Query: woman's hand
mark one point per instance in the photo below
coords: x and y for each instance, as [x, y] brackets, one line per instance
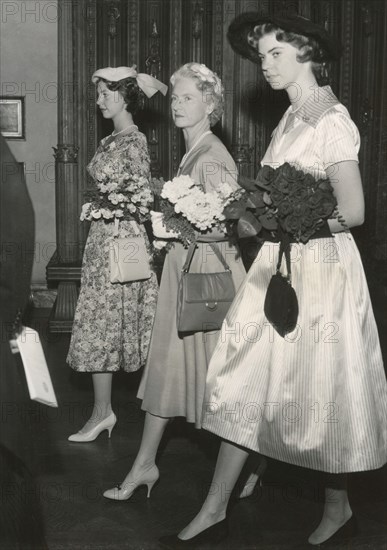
[346, 182]
[158, 227]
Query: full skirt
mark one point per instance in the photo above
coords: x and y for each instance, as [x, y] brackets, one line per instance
[318, 397]
[174, 378]
[113, 322]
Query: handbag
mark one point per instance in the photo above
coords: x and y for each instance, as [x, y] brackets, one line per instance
[129, 259]
[281, 304]
[203, 299]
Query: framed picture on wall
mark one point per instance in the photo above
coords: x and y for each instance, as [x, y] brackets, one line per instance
[12, 118]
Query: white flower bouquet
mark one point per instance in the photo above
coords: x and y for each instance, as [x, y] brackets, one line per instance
[187, 208]
[118, 195]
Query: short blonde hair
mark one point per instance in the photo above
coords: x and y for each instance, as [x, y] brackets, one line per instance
[207, 82]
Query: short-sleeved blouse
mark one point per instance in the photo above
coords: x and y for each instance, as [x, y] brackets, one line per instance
[320, 133]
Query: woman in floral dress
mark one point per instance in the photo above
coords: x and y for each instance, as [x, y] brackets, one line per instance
[113, 322]
[316, 398]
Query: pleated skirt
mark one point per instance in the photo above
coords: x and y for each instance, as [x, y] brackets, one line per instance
[318, 397]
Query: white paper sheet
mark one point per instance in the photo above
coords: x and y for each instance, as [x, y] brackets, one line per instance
[35, 366]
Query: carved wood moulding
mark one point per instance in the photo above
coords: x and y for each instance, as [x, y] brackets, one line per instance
[218, 30]
[113, 14]
[91, 66]
[175, 7]
[197, 39]
[66, 153]
[153, 61]
[346, 65]
[197, 20]
[133, 20]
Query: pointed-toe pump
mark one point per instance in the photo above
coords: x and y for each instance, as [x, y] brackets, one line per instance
[125, 490]
[257, 476]
[212, 535]
[346, 532]
[107, 423]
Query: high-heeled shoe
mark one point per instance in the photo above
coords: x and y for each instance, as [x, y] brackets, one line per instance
[125, 490]
[345, 532]
[248, 489]
[212, 535]
[107, 423]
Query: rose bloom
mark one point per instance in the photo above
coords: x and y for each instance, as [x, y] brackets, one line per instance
[325, 208]
[324, 185]
[285, 208]
[277, 197]
[300, 193]
[291, 224]
[290, 173]
[281, 184]
[265, 176]
[322, 203]
[311, 220]
[301, 210]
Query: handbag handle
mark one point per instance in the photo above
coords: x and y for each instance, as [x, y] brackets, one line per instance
[191, 251]
[133, 223]
[285, 249]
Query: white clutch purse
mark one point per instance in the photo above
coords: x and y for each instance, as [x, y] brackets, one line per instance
[129, 259]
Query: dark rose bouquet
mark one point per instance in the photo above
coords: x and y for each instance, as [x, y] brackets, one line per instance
[282, 198]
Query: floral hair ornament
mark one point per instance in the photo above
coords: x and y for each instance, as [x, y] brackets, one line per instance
[148, 84]
[206, 75]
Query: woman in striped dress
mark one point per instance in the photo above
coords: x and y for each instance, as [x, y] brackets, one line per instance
[316, 398]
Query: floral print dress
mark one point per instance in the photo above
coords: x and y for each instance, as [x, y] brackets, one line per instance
[113, 322]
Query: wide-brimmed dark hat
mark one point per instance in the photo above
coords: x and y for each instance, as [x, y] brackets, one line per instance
[245, 22]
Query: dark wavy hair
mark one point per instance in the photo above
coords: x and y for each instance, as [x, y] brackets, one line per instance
[309, 48]
[130, 91]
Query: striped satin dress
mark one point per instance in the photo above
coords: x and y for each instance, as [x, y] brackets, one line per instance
[318, 397]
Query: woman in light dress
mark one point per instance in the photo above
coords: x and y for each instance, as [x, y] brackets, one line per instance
[173, 382]
[316, 398]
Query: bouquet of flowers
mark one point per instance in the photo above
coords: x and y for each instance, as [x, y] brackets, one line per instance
[187, 208]
[118, 196]
[285, 198]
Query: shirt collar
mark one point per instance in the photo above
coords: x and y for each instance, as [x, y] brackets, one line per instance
[316, 105]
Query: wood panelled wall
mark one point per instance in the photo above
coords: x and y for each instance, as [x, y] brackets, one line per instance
[160, 35]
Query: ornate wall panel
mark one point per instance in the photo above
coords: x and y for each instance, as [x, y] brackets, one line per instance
[160, 35]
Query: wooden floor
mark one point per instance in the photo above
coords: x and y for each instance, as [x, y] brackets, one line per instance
[71, 478]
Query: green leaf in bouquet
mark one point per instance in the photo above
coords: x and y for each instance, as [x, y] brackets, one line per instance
[255, 200]
[247, 183]
[268, 221]
[260, 210]
[157, 185]
[248, 225]
[235, 210]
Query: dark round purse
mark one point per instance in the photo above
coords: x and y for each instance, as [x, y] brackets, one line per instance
[281, 304]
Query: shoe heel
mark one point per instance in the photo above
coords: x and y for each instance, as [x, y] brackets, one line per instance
[150, 486]
[110, 428]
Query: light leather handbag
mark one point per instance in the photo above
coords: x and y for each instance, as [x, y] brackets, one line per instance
[203, 298]
[129, 258]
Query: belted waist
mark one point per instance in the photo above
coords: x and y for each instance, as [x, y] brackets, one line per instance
[322, 233]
